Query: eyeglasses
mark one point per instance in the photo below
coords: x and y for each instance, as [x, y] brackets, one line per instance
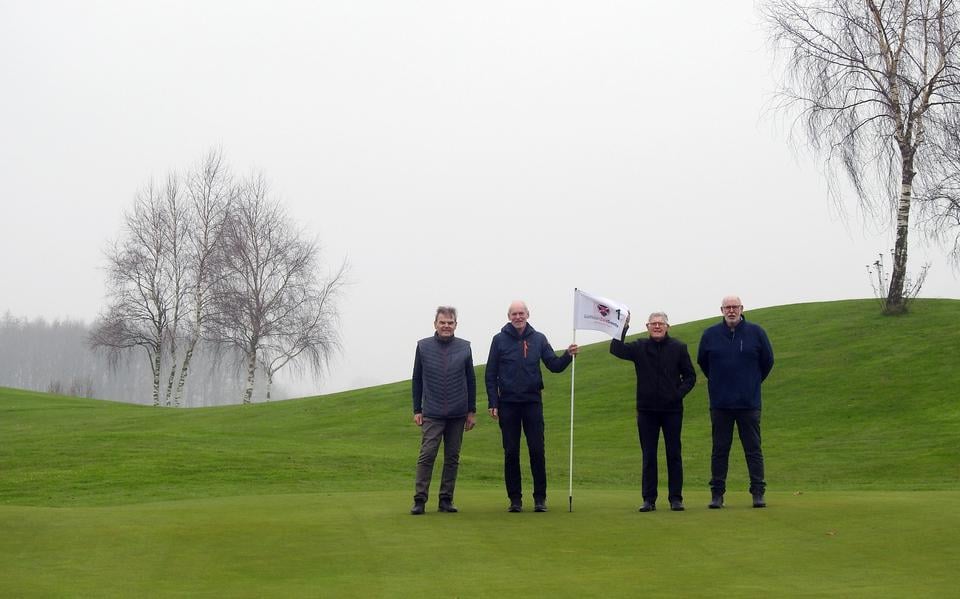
[657, 324]
[727, 308]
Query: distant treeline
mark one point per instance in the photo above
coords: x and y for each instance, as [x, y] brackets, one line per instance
[55, 357]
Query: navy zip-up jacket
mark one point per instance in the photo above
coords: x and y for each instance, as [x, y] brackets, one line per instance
[513, 366]
[735, 362]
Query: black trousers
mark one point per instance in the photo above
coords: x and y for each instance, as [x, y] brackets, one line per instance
[649, 425]
[748, 427]
[528, 417]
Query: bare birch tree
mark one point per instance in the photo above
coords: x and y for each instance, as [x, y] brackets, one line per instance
[209, 194]
[203, 262]
[176, 267]
[308, 338]
[161, 272]
[271, 305]
[875, 83]
[141, 298]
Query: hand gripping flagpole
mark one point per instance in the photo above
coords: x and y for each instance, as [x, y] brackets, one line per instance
[573, 378]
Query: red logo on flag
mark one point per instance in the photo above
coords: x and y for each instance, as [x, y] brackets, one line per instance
[603, 310]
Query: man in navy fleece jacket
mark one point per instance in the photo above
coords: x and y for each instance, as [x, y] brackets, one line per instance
[736, 357]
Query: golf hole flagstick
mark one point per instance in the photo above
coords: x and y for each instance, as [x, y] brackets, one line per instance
[594, 313]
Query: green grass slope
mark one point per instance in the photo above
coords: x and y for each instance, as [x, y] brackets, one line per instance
[855, 401]
[309, 497]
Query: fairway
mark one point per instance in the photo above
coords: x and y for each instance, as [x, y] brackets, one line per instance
[861, 544]
[310, 497]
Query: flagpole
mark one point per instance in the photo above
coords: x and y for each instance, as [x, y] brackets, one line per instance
[598, 321]
[573, 378]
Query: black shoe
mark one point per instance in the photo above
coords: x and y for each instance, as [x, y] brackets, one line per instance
[648, 506]
[716, 503]
[758, 500]
[540, 506]
[417, 508]
[515, 506]
[676, 505]
[446, 505]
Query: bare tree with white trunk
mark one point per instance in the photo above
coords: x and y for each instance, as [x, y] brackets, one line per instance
[876, 86]
[142, 281]
[205, 262]
[271, 303]
[209, 195]
[308, 339]
[162, 272]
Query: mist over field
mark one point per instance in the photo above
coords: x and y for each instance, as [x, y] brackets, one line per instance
[55, 357]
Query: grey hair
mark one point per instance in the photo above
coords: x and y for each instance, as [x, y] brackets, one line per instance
[666, 319]
[522, 303]
[446, 311]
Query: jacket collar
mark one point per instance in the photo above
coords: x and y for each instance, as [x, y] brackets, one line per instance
[443, 340]
[653, 343]
[509, 329]
[723, 322]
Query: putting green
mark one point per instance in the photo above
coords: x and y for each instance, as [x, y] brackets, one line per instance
[863, 543]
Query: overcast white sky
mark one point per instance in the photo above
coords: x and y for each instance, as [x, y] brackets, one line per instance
[463, 153]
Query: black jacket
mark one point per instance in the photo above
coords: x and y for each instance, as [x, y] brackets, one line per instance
[665, 373]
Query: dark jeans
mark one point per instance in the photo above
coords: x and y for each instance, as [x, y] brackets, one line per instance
[450, 430]
[649, 425]
[748, 427]
[528, 416]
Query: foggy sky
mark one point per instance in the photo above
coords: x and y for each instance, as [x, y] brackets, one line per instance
[454, 153]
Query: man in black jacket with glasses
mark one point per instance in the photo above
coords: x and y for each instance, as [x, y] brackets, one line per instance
[665, 375]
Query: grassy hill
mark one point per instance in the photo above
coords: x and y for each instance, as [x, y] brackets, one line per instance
[855, 401]
[309, 497]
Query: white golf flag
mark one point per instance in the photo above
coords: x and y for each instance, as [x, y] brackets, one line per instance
[596, 313]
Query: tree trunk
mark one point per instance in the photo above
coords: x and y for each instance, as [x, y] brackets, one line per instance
[173, 375]
[191, 346]
[896, 303]
[184, 370]
[155, 367]
[251, 375]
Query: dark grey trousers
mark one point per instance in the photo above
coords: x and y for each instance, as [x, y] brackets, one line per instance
[450, 431]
